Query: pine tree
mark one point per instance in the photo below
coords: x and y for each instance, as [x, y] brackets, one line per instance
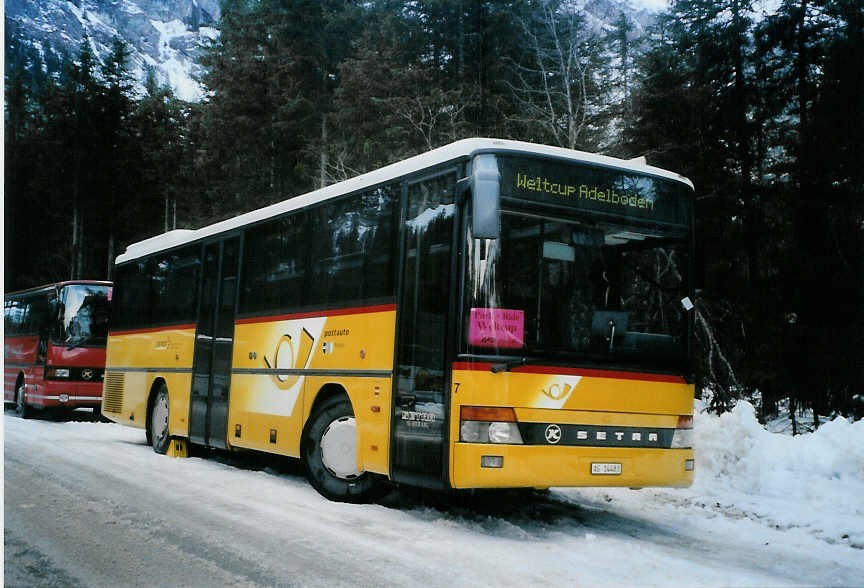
[557, 87]
[116, 143]
[272, 76]
[169, 197]
[809, 43]
[78, 122]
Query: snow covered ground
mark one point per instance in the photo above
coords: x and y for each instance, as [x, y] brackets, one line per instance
[766, 510]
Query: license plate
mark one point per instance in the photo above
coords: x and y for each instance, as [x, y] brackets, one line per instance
[606, 469]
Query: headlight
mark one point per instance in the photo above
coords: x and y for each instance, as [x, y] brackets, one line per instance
[55, 372]
[504, 433]
[683, 436]
[480, 424]
[682, 439]
[474, 432]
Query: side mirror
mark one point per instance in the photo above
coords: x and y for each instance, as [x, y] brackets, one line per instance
[486, 197]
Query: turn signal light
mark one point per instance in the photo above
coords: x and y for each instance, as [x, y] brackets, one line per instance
[685, 421]
[487, 413]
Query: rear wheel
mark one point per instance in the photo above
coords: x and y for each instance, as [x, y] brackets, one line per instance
[329, 450]
[157, 425]
[21, 407]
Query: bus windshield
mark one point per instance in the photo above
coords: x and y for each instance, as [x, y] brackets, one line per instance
[84, 315]
[599, 290]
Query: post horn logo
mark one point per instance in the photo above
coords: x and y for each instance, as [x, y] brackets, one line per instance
[288, 361]
[558, 391]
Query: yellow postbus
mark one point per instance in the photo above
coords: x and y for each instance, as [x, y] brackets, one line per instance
[487, 314]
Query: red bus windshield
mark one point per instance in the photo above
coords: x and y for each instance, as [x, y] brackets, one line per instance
[84, 313]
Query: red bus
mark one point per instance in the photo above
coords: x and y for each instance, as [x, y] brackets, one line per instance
[54, 346]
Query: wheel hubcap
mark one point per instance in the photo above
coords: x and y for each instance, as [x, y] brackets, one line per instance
[339, 448]
[159, 419]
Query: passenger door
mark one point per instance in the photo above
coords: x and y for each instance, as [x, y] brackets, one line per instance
[420, 395]
[214, 344]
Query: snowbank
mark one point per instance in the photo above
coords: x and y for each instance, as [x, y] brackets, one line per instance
[813, 481]
[736, 451]
[809, 487]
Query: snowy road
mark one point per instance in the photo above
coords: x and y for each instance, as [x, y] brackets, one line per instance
[89, 504]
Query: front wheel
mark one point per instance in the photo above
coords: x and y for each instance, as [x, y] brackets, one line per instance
[21, 407]
[329, 450]
[157, 426]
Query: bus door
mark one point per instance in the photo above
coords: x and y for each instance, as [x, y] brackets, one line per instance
[419, 416]
[214, 344]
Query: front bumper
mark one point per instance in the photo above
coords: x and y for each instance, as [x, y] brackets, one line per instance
[544, 466]
[59, 393]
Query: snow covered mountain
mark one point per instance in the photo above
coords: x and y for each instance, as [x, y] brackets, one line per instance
[167, 35]
[602, 14]
[163, 34]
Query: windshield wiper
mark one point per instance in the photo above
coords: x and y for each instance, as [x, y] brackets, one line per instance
[82, 342]
[508, 365]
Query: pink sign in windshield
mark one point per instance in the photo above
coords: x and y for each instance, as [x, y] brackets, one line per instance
[497, 327]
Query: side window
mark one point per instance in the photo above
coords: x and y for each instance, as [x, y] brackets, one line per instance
[274, 274]
[13, 317]
[24, 321]
[175, 285]
[40, 313]
[130, 308]
[381, 252]
[21, 311]
[337, 262]
[352, 250]
[8, 320]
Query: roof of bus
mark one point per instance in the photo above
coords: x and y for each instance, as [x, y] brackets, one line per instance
[460, 149]
[59, 285]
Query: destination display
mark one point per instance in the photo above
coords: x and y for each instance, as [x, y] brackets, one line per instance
[595, 189]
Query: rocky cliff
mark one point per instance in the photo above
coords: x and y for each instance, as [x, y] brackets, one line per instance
[166, 35]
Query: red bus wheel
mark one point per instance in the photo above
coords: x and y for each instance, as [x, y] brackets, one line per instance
[21, 407]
